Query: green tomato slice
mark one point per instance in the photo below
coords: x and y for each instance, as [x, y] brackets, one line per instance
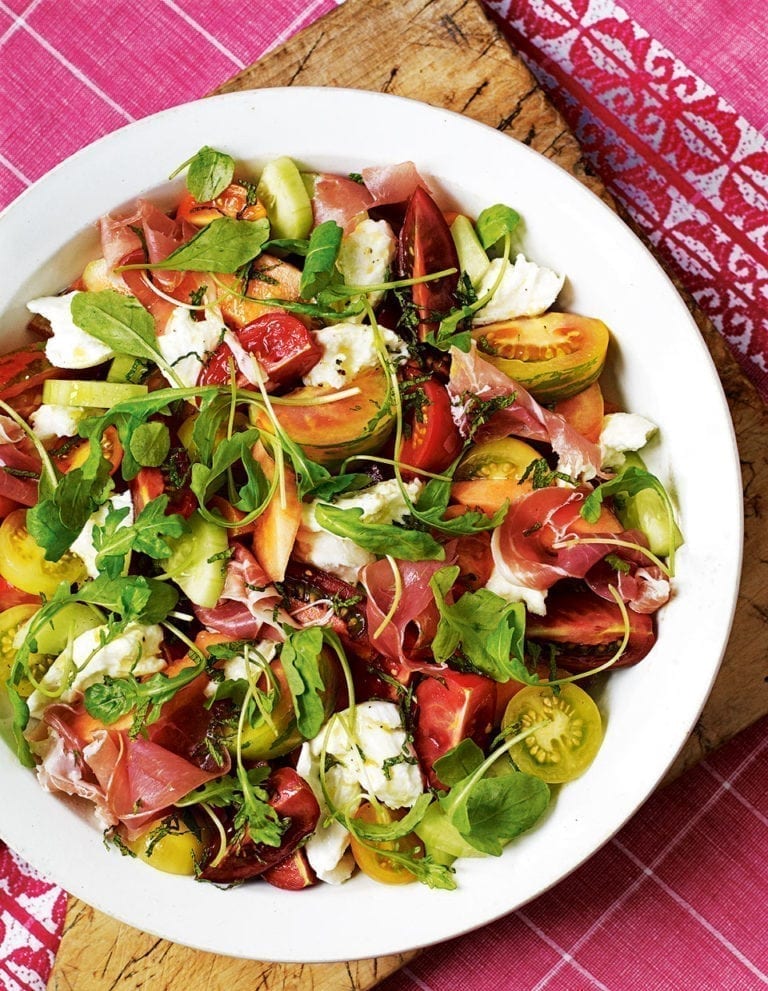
[568, 741]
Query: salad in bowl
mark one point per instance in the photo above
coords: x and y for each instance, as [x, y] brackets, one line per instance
[318, 526]
[344, 493]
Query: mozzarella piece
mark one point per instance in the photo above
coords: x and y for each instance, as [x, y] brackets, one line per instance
[381, 503]
[83, 543]
[52, 420]
[88, 659]
[349, 349]
[371, 756]
[186, 344]
[365, 257]
[534, 599]
[69, 346]
[623, 432]
[526, 290]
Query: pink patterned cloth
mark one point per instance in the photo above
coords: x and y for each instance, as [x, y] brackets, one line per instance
[668, 101]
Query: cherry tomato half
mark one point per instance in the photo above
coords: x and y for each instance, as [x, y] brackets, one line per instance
[170, 846]
[426, 246]
[569, 739]
[286, 350]
[23, 564]
[432, 440]
[371, 857]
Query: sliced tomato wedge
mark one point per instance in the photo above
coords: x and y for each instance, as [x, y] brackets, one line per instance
[432, 440]
[285, 348]
[293, 800]
[24, 369]
[586, 630]
[451, 707]
[425, 247]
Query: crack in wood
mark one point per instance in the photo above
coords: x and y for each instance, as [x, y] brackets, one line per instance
[388, 84]
[453, 30]
[506, 122]
[304, 61]
[477, 91]
[132, 963]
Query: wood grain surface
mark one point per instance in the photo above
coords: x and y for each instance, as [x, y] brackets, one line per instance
[446, 53]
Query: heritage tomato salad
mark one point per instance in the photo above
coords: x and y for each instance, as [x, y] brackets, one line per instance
[317, 529]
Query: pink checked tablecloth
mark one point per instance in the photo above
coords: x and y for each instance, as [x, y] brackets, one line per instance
[668, 99]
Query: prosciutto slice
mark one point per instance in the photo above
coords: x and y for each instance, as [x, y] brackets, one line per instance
[471, 376]
[414, 622]
[346, 201]
[130, 780]
[161, 234]
[530, 548]
[249, 605]
[642, 585]
[19, 464]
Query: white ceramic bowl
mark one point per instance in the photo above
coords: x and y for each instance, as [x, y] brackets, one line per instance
[663, 371]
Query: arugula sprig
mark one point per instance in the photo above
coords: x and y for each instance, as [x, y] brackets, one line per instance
[209, 172]
[113, 698]
[483, 628]
[242, 791]
[379, 538]
[148, 534]
[488, 811]
[225, 245]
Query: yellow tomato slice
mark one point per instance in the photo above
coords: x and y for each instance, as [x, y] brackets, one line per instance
[569, 739]
[372, 857]
[22, 560]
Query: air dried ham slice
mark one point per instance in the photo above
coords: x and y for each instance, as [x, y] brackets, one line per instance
[249, 606]
[471, 376]
[161, 234]
[345, 201]
[531, 548]
[130, 780]
[19, 464]
[413, 624]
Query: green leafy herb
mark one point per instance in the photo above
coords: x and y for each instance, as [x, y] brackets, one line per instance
[320, 263]
[225, 245]
[58, 518]
[244, 792]
[628, 482]
[209, 172]
[119, 321]
[431, 505]
[233, 451]
[114, 698]
[147, 535]
[150, 444]
[487, 630]
[379, 538]
[488, 811]
[542, 476]
[496, 222]
[300, 657]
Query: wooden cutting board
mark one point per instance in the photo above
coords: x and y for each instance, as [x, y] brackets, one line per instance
[447, 53]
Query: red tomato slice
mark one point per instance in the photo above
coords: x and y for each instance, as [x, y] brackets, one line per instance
[451, 707]
[586, 630]
[285, 348]
[293, 800]
[24, 369]
[426, 246]
[432, 439]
